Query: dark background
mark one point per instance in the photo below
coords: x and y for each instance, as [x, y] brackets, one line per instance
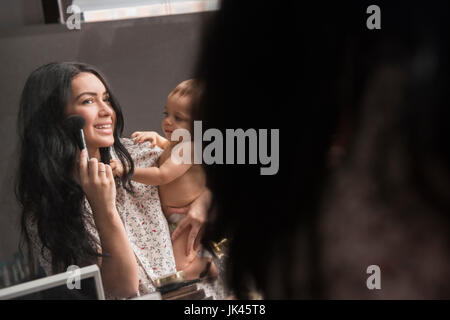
[143, 60]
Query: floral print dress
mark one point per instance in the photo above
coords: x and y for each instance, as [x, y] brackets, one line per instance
[145, 225]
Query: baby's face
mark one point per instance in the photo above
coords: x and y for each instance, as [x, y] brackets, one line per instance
[177, 115]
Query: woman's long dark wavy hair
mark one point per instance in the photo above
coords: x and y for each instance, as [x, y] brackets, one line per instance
[45, 186]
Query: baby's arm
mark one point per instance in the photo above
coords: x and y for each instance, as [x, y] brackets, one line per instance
[168, 170]
[153, 137]
[166, 173]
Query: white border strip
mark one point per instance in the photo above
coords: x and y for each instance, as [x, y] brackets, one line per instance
[53, 281]
[153, 10]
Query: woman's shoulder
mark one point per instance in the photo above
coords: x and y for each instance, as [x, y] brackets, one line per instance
[142, 154]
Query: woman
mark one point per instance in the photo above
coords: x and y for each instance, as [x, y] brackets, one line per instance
[73, 212]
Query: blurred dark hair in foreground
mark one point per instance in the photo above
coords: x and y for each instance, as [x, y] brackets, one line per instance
[377, 99]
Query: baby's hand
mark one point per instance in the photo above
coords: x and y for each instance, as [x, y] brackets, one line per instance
[142, 136]
[117, 168]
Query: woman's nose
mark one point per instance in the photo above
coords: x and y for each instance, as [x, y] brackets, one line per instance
[105, 109]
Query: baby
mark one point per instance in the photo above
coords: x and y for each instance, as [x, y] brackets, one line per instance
[179, 184]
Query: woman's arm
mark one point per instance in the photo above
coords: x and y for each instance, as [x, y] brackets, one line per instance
[118, 269]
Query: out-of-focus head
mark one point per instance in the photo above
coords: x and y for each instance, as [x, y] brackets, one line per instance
[311, 70]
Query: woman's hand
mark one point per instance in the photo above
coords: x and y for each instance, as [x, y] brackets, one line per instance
[196, 215]
[97, 182]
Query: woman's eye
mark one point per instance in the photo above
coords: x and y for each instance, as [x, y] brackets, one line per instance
[88, 101]
[165, 114]
[107, 100]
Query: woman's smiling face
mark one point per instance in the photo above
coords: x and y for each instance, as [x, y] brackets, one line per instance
[90, 99]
